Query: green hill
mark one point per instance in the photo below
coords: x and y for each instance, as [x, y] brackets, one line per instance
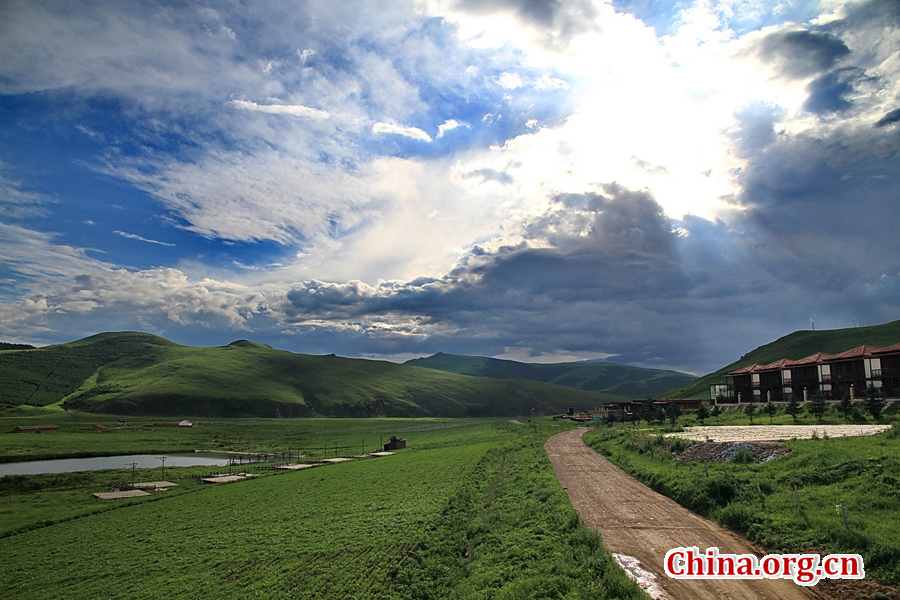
[605, 377]
[142, 374]
[799, 344]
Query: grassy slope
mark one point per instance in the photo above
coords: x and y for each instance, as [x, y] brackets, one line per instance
[610, 378]
[135, 373]
[799, 344]
[396, 527]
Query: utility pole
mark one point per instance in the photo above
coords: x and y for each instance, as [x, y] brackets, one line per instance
[133, 466]
[163, 459]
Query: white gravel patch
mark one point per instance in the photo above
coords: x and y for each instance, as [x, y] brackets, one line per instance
[762, 433]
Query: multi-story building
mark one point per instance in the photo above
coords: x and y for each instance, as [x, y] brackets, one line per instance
[832, 375]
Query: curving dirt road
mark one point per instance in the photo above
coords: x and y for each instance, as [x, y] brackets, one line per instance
[636, 521]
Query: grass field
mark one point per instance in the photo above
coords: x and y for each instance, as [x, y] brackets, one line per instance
[304, 436]
[862, 472]
[470, 510]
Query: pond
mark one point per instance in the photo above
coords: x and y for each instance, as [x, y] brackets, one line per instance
[144, 461]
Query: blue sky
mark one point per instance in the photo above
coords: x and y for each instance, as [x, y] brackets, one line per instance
[666, 184]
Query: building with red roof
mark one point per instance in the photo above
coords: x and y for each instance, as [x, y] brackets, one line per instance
[833, 375]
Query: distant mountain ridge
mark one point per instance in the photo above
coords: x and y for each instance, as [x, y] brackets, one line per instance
[595, 376]
[795, 346]
[133, 373]
[8, 346]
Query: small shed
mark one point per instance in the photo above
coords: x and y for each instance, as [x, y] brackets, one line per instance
[123, 421]
[35, 428]
[100, 428]
[395, 443]
[186, 423]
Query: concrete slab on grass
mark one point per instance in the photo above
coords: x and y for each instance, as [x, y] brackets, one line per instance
[151, 485]
[118, 495]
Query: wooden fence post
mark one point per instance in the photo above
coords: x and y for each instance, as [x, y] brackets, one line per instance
[844, 514]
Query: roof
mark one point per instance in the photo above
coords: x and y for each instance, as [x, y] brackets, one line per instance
[858, 352]
[889, 349]
[812, 359]
[781, 363]
[746, 370]
[35, 427]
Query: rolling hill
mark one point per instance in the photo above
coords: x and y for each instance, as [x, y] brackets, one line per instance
[605, 377]
[799, 344]
[141, 374]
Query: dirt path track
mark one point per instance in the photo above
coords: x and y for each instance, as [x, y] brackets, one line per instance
[636, 521]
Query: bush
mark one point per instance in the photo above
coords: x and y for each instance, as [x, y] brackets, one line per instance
[743, 456]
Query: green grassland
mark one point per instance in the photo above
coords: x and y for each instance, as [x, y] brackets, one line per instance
[797, 345]
[469, 510]
[605, 377]
[863, 472]
[299, 436]
[142, 374]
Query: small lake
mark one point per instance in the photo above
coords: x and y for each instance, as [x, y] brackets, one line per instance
[144, 461]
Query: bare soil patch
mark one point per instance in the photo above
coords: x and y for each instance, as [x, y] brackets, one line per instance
[722, 452]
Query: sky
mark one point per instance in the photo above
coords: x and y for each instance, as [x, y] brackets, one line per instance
[668, 184]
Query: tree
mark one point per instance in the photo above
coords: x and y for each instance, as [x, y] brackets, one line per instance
[647, 409]
[750, 411]
[672, 412]
[715, 412]
[770, 409]
[817, 406]
[874, 402]
[702, 413]
[659, 415]
[846, 407]
[793, 408]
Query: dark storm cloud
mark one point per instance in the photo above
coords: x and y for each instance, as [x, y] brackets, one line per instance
[828, 93]
[542, 12]
[800, 54]
[607, 272]
[556, 21]
[891, 117]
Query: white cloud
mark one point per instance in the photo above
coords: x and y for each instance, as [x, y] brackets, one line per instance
[134, 236]
[410, 132]
[37, 257]
[294, 110]
[449, 125]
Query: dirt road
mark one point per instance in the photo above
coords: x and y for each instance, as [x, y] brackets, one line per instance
[636, 521]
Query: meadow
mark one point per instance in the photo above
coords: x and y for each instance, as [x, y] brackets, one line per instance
[470, 509]
[863, 472]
